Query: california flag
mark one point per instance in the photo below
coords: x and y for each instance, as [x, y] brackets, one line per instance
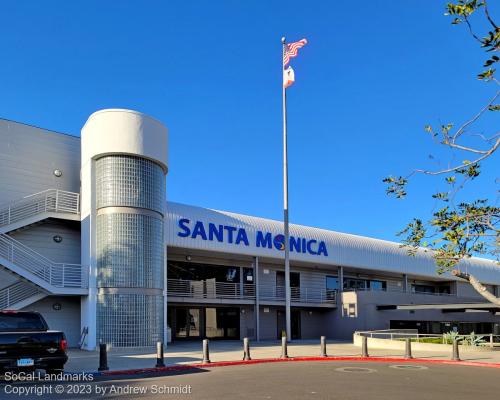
[288, 77]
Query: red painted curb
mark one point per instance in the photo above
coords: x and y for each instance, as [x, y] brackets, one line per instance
[291, 359]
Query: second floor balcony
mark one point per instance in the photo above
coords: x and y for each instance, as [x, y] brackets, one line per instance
[206, 290]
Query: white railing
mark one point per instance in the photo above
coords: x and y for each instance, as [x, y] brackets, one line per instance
[210, 289]
[413, 334]
[298, 295]
[51, 200]
[15, 293]
[55, 274]
[397, 290]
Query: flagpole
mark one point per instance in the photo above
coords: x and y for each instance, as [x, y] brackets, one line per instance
[285, 211]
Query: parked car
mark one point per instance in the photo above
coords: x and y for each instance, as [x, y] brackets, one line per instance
[27, 343]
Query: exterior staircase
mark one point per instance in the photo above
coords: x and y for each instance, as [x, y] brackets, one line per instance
[19, 295]
[47, 277]
[39, 206]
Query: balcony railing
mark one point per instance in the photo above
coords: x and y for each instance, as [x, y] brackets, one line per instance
[221, 290]
[210, 289]
[298, 295]
[55, 274]
[51, 200]
[17, 292]
[398, 290]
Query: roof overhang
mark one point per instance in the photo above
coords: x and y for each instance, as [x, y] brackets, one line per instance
[456, 307]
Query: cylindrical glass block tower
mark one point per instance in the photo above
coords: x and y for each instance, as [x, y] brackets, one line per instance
[126, 246]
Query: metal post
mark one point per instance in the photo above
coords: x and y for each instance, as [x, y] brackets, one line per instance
[246, 350]
[408, 354]
[159, 355]
[103, 358]
[284, 349]
[323, 347]
[455, 356]
[340, 279]
[491, 340]
[285, 211]
[364, 346]
[206, 354]
[257, 299]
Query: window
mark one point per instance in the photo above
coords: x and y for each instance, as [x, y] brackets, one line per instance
[423, 289]
[248, 275]
[199, 272]
[294, 279]
[354, 284]
[332, 283]
[377, 285]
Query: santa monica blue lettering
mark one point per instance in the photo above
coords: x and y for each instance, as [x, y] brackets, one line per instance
[185, 229]
[199, 230]
[264, 241]
[234, 235]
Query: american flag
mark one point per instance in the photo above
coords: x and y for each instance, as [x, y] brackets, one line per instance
[291, 50]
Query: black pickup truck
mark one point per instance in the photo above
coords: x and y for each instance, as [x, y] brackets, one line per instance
[27, 343]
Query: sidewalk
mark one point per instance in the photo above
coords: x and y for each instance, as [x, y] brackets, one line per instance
[191, 353]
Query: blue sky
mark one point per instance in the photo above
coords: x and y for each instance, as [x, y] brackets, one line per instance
[372, 75]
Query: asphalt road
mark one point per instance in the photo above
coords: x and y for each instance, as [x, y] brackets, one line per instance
[294, 380]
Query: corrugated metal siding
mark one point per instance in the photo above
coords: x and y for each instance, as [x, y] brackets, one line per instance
[313, 281]
[41, 239]
[268, 323]
[464, 289]
[29, 156]
[343, 249]
[7, 279]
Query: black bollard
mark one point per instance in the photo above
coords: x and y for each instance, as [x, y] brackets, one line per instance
[408, 349]
[364, 346]
[206, 352]
[284, 349]
[455, 356]
[103, 357]
[323, 347]
[246, 350]
[159, 355]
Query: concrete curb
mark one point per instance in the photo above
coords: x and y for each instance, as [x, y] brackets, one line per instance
[186, 367]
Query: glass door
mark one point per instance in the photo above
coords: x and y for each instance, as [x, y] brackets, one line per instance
[187, 323]
[222, 323]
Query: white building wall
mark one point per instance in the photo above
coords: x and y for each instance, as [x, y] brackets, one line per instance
[29, 156]
[40, 238]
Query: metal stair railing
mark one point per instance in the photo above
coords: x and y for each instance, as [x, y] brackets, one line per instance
[50, 200]
[55, 274]
[15, 293]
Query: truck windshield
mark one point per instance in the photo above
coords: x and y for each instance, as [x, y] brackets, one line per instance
[21, 322]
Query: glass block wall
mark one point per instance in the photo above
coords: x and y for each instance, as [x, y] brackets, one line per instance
[130, 196]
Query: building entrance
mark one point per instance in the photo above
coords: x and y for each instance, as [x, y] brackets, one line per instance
[295, 324]
[204, 322]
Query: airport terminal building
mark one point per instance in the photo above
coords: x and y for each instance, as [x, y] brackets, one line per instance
[87, 239]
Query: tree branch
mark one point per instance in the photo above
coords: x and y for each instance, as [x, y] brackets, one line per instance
[470, 149]
[487, 13]
[461, 130]
[478, 286]
[463, 165]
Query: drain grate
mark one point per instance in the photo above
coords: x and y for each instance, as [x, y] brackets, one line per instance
[356, 370]
[409, 367]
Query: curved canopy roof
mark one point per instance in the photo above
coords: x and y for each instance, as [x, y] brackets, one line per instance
[221, 231]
